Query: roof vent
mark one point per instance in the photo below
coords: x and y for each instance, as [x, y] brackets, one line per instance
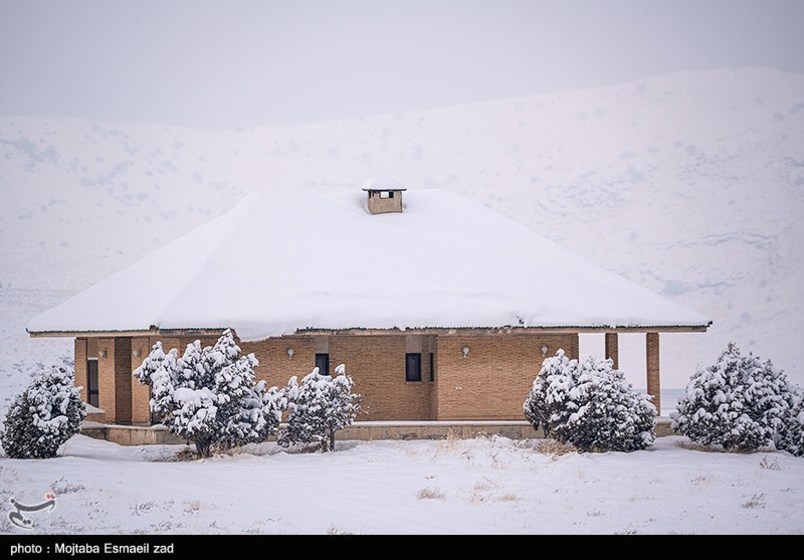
[384, 194]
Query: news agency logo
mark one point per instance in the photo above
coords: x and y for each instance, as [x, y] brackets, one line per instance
[18, 517]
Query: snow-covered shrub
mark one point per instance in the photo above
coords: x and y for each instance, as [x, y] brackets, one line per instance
[318, 407]
[738, 403]
[45, 415]
[791, 433]
[209, 395]
[589, 405]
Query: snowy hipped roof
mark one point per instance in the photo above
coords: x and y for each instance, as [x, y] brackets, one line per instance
[276, 263]
[384, 184]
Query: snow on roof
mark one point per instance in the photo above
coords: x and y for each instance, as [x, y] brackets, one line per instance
[384, 184]
[275, 264]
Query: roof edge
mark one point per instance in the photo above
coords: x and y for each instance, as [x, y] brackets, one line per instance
[369, 331]
[567, 329]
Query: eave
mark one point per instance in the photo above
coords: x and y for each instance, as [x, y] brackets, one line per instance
[442, 331]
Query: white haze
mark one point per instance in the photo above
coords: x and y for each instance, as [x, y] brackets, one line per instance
[207, 64]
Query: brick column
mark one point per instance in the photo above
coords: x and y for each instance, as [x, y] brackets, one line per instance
[612, 350]
[114, 379]
[434, 385]
[574, 350]
[140, 394]
[652, 362]
[122, 379]
[81, 368]
[106, 385]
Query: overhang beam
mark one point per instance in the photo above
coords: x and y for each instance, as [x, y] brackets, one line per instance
[474, 331]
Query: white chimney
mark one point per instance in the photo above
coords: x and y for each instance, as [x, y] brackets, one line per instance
[384, 194]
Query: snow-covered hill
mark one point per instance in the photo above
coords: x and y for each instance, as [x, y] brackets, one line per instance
[691, 184]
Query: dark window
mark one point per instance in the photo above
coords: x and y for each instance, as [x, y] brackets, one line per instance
[322, 363]
[432, 367]
[413, 367]
[92, 382]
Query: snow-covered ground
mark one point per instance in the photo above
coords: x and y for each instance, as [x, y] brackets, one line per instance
[486, 485]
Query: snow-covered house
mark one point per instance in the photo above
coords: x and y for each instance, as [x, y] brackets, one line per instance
[441, 309]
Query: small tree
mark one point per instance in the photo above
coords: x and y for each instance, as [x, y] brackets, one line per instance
[318, 407]
[791, 433]
[209, 396]
[44, 416]
[590, 405]
[250, 411]
[739, 403]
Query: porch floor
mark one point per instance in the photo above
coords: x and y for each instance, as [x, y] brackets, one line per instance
[363, 431]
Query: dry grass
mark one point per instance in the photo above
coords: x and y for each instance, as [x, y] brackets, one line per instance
[484, 485]
[143, 508]
[755, 501]
[62, 486]
[186, 453]
[430, 494]
[193, 506]
[766, 463]
[450, 441]
[477, 498]
[554, 449]
[699, 480]
[449, 444]
[714, 448]
[507, 498]
[692, 446]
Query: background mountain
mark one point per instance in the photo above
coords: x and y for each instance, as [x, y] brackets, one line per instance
[691, 184]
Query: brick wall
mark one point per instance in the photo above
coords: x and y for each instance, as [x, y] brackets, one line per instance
[377, 364]
[81, 367]
[492, 382]
[275, 365]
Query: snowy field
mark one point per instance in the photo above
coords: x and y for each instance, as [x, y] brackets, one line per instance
[483, 485]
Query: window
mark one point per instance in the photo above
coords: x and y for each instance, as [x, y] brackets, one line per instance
[432, 367]
[386, 194]
[322, 363]
[92, 382]
[413, 367]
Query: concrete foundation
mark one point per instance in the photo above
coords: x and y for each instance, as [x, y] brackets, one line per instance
[361, 431]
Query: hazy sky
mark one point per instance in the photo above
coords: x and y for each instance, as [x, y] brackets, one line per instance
[240, 63]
